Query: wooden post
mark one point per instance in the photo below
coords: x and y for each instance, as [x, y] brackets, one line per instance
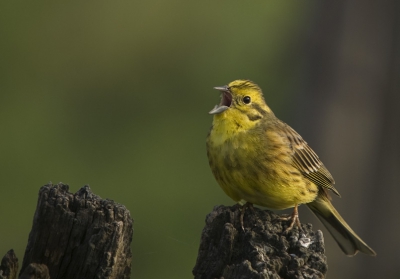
[262, 250]
[77, 236]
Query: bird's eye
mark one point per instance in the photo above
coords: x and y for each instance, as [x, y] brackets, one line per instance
[246, 100]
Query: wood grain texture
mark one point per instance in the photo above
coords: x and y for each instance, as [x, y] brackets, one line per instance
[9, 266]
[35, 271]
[262, 250]
[79, 235]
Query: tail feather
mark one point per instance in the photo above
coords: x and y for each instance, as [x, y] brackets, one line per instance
[348, 240]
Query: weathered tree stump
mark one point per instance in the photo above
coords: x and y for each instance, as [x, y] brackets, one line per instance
[9, 266]
[76, 236]
[35, 271]
[262, 250]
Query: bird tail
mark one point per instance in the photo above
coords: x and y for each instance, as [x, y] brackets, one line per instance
[348, 240]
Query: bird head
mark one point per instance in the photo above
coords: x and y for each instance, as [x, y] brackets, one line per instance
[241, 100]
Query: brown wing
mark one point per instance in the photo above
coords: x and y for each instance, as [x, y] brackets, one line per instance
[307, 161]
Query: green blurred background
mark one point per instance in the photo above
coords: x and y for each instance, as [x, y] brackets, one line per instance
[115, 94]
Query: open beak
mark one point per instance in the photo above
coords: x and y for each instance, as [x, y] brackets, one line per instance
[226, 100]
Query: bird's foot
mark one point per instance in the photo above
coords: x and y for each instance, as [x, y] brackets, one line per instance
[295, 220]
[244, 207]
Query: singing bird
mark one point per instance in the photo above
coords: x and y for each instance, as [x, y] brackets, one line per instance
[258, 159]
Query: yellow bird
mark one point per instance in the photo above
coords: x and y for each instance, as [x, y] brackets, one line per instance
[258, 159]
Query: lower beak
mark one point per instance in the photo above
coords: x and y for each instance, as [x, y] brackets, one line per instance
[226, 100]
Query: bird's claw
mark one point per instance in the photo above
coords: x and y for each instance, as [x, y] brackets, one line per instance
[295, 220]
[243, 209]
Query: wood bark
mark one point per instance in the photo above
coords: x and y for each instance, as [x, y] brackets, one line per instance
[75, 236]
[9, 266]
[35, 271]
[261, 250]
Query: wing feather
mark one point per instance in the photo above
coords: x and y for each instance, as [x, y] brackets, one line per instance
[307, 161]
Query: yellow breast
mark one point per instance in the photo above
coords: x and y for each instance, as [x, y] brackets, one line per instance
[248, 165]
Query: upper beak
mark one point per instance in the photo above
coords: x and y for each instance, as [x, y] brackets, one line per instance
[222, 88]
[226, 100]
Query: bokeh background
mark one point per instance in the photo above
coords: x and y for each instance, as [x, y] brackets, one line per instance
[115, 94]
